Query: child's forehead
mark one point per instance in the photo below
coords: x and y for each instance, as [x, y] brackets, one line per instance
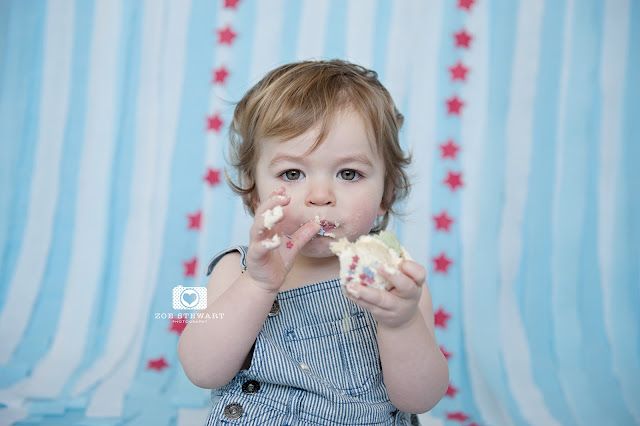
[348, 126]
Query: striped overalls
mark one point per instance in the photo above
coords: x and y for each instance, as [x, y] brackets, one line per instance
[315, 362]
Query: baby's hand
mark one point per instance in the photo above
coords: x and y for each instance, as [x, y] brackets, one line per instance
[272, 255]
[398, 306]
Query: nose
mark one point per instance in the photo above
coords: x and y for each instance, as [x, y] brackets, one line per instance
[320, 193]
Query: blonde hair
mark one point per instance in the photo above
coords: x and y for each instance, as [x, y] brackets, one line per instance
[294, 98]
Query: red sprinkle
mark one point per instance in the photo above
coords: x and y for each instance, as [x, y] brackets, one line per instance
[289, 244]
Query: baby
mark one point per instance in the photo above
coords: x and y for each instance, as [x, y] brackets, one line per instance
[317, 158]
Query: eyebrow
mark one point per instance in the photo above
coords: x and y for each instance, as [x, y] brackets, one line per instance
[358, 158]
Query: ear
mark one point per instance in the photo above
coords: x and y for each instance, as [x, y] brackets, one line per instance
[254, 200]
[386, 201]
[381, 210]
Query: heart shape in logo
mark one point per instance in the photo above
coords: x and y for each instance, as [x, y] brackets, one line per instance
[189, 298]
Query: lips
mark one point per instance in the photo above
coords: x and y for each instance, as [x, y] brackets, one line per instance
[327, 226]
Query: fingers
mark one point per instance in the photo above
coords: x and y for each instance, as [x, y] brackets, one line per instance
[305, 233]
[415, 271]
[269, 213]
[368, 296]
[407, 281]
[407, 286]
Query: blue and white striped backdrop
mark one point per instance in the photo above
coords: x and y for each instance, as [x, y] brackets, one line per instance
[523, 120]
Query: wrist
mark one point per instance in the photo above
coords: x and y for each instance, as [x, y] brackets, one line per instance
[258, 286]
[410, 323]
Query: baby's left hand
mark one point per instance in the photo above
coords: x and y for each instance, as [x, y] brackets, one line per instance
[398, 306]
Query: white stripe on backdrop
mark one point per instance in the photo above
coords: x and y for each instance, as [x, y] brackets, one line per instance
[500, 372]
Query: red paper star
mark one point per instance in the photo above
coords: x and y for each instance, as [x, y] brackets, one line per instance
[463, 38]
[226, 35]
[454, 105]
[157, 364]
[458, 415]
[458, 72]
[220, 75]
[190, 267]
[440, 318]
[452, 391]
[214, 122]
[194, 220]
[465, 4]
[442, 263]
[443, 221]
[449, 149]
[177, 325]
[231, 4]
[212, 176]
[454, 180]
[473, 424]
[446, 354]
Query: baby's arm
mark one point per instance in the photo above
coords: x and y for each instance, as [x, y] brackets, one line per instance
[415, 371]
[212, 353]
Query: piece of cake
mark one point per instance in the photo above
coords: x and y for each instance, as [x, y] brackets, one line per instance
[360, 261]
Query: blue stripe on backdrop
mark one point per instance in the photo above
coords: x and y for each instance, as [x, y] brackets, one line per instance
[383, 23]
[292, 12]
[4, 25]
[7, 150]
[19, 109]
[626, 251]
[535, 281]
[486, 281]
[336, 30]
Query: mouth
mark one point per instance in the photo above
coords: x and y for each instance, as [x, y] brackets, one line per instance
[326, 227]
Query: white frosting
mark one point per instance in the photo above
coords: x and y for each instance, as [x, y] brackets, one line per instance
[272, 243]
[271, 216]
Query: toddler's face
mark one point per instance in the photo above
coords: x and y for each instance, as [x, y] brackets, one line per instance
[341, 182]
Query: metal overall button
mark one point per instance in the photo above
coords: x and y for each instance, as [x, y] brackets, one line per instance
[250, 386]
[233, 411]
[275, 308]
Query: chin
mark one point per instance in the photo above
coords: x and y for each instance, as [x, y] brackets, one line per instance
[318, 247]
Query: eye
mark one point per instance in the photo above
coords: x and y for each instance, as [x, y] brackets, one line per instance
[292, 175]
[349, 175]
